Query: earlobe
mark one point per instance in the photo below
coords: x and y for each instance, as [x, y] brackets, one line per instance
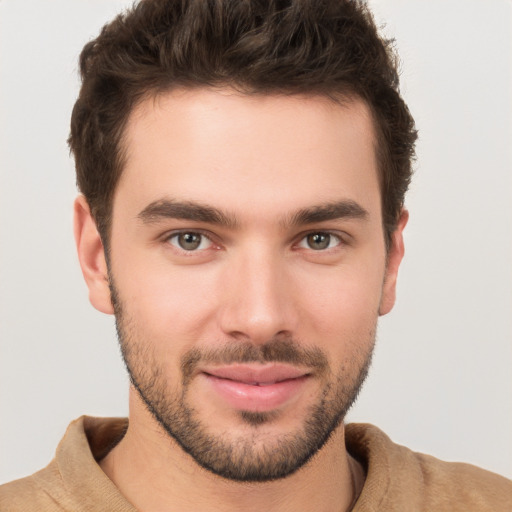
[395, 255]
[91, 255]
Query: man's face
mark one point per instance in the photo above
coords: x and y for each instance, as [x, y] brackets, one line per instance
[248, 269]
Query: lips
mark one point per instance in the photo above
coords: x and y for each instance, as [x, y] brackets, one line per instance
[256, 374]
[254, 387]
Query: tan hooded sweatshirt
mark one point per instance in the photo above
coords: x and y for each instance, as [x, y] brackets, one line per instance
[397, 479]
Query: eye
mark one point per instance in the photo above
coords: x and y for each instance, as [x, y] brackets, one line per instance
[190, 241]
[320, 241]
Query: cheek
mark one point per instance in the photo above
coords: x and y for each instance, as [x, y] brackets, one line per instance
[343, 304]
[169, 303]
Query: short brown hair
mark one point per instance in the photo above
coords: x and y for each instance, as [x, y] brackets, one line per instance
[326, 47]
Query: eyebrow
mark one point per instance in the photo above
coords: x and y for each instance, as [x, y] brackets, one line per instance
[345, 209]
[185, 210]
[191, 210]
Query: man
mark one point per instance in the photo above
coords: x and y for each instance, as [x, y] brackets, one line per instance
[243, 169]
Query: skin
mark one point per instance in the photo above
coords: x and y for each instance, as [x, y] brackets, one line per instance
[259, 160]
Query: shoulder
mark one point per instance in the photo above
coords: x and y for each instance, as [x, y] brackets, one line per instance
[445, 482]
[30, 494]
[401, 479]
[73, 480]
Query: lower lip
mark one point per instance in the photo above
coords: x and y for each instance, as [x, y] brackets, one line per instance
[248, 397]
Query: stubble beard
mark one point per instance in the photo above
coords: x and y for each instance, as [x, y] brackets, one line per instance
[252, 456]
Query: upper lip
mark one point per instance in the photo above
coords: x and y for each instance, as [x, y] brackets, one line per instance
[256, 373]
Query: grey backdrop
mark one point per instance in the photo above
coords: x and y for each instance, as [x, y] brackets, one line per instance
[441, 380]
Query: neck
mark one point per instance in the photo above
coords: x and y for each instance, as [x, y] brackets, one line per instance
[154, 473]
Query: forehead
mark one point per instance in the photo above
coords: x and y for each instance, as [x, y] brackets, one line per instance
[242, 151]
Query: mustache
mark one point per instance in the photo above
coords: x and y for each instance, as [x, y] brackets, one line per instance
[273, 351]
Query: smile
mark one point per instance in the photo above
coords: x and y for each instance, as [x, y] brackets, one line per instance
[256, 388]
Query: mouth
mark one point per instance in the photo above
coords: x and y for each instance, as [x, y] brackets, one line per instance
[256, 387]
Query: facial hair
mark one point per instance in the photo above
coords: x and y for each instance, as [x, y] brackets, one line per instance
[251, 457]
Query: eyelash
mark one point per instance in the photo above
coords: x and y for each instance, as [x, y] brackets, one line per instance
[302, 238]
[331, 235]
[176, 234]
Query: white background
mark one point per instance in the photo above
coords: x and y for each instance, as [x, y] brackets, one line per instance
[441, 380]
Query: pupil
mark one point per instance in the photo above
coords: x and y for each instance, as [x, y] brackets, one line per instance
[319, 241]
[189, 241]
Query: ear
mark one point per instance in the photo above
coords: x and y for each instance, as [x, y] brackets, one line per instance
[91, 255]
[395, 255]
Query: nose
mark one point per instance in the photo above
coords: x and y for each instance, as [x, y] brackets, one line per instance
[258, 302]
